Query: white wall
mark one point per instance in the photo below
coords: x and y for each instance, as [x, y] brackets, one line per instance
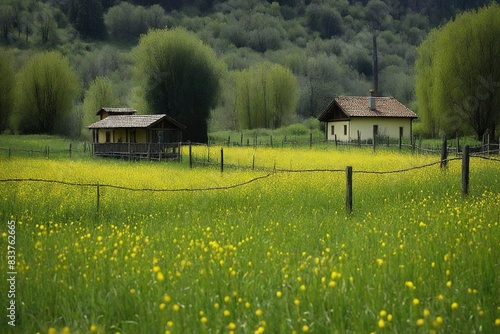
[348, 130]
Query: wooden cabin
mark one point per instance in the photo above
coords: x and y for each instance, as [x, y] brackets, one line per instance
[360, 117]
[121, 133]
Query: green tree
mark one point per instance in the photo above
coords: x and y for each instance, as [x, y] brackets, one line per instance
[458, 73]
[6, 88]
[179, 75]
[87, 18]
[46, 87]
[265, 95]
[100, 94]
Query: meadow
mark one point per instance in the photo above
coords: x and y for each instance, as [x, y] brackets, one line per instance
[253, 251]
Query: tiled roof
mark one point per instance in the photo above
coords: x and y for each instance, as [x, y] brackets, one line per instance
[131, 121]
[357, 106]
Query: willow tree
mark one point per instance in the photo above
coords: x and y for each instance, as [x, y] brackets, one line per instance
[6, 88]
[458, 74]
[46, 88]
[99, 94]
[178, 75]
[265, 95]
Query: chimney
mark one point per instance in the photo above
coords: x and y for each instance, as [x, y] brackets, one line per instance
[371, 100]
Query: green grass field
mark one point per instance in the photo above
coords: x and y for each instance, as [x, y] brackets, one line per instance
[248, 251]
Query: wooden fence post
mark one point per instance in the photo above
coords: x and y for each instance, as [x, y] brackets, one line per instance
[359, 138]
[190, 156]
[271, 140]
[241, 139]
[98, 200]
[228, 140]
[444, 152]
[348, 195]
[9, 152]
[221, 160]
[465, 171]
[336, 141]
[70, 149]
[310, 139]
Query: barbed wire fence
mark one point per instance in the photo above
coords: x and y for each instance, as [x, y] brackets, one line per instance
[270, 172]
[415, 145]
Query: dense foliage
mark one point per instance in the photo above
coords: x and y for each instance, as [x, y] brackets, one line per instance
[458, 74]
[327, 45]
[45, 89]
[179, 76]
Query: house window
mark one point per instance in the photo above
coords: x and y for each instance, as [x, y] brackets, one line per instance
[401, 132]
[333, 130]
[345, 130]
[133, 136]
[375, 130]
[108, 136]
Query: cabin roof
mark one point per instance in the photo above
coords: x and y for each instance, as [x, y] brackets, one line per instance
[133, 121]
[358, 106]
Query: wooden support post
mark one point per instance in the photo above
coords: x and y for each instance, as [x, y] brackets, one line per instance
[400, 141]
[70, 149]
[335, 141]
[253, 161]
[488, 144]
[222, 160]
[359, 138]
[374, 138]
[458, 146]
[98, 201]
[444, 152]
[465, 171]
[241, 139]
[190, 156]
[348, 195]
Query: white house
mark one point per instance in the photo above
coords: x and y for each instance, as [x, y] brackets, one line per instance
[348, 117]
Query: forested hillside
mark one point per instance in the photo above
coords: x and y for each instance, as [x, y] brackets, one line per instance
[327, 45]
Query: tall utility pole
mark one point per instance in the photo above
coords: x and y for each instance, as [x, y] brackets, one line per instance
[375, 64]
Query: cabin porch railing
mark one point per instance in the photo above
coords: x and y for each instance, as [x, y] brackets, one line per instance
[136, 151]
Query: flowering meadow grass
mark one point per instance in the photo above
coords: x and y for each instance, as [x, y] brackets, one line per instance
[276, 255]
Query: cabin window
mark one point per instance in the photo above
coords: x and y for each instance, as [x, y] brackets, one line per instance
[401, 132]
[345, 130]
[333, 130]
[132, 136]
[108, 136]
